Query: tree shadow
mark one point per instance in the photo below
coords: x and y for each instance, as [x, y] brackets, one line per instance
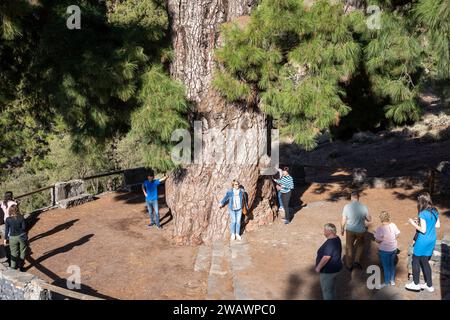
[63, 249]
[293, 287]
[135, 197]
[33, 218]
[61, 282]
[169, 217]
[56, 229]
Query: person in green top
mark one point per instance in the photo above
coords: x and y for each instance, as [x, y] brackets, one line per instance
[16, 234]
[354, 217]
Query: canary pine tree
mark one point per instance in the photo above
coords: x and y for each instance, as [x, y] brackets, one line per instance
[295, 64]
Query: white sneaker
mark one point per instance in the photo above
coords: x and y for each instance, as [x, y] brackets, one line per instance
[392, 283]
[233, 236]
[238, 237]
[412, 286]
[424, 286]
[380, 286]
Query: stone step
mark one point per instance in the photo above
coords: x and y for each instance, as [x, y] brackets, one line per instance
[220, 286]
[75, 201]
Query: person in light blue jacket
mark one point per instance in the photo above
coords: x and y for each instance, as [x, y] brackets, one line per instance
[237, 200]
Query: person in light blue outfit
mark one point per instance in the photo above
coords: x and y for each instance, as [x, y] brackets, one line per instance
[425, 242]
[150, 189]
[237, 200]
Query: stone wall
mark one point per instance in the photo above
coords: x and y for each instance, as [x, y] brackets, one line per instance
[69, 189]
[15, 285]
[442, 182]
[71, 193]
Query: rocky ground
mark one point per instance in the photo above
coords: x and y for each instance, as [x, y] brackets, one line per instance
[120, 257]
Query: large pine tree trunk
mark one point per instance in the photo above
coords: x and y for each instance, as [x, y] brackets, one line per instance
[193, 193]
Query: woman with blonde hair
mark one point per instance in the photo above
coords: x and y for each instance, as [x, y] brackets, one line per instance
[386, 235]
[237, 201]
[16, 234]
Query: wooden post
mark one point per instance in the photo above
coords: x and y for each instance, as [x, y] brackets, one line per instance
[431, 181]
[53, 190]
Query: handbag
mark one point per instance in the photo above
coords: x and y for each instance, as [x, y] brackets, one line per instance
[244, 204]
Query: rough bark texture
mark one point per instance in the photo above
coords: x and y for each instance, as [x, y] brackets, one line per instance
[193, 193]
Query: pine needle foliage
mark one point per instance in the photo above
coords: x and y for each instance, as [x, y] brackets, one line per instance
[296, 59]
[393, 58]
[102, 81]
[434, 15]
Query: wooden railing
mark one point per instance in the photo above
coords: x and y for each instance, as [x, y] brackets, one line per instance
[67, 293]
[52, 187]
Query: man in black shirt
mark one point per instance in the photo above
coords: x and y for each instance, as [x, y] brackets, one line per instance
[328, 262]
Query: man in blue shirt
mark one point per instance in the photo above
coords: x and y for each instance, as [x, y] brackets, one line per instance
[150, 189]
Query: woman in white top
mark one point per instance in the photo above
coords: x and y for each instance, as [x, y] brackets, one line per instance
[386, 235]
[7, 203]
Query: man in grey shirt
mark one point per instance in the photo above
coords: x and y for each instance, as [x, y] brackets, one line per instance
[354, 217]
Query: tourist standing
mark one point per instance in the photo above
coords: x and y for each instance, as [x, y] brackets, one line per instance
[386, 235]
[286, 184]
[6, 204]
[328, 262]
[150, 189]
[424, 245]
[278, 187]
[237, 201]
[354, 217]
[16, 234]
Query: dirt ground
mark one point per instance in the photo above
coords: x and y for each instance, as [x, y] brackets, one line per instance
[121, 258]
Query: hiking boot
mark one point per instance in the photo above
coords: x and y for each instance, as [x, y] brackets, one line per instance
[412, 286]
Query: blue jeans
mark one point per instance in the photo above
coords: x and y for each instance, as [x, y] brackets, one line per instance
[235, 225]
[388, 261]
[279, 199]
[152, 206]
